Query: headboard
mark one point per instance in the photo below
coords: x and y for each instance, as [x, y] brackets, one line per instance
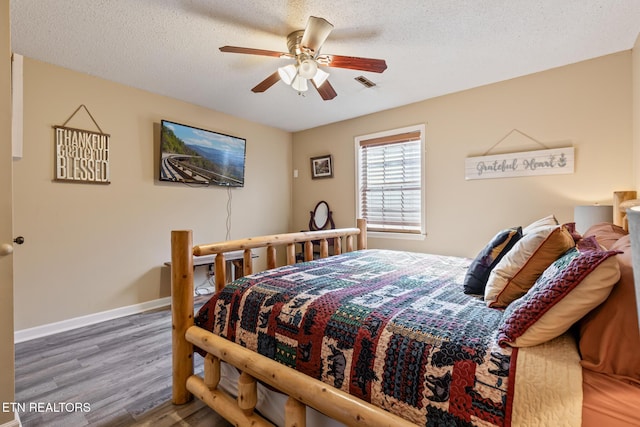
[622, 200]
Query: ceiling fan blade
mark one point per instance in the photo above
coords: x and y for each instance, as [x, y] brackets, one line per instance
[266, 83]
[251, 51]
[316, 33]
[326, 91]
[353, 63]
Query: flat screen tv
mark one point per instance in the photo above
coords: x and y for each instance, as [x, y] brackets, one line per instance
[192, 155]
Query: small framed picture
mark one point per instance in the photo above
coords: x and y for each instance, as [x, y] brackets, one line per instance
[322, 167]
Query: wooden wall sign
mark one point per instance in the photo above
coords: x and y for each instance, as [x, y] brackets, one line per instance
[81, 155]
[528, 163]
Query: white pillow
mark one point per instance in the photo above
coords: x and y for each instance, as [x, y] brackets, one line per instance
[542, 222]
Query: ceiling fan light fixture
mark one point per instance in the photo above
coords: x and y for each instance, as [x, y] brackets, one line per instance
[320, 77]
[287, 73]
[308, 68]
[315, 34]
[299, 84]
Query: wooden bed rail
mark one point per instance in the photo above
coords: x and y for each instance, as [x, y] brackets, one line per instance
[301, 389]
[288, 240]
[184, 333]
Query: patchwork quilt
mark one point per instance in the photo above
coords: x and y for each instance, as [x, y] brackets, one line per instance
[392, 328]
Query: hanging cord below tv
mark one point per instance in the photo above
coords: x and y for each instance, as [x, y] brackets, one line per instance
[228, 235]
[208, 286]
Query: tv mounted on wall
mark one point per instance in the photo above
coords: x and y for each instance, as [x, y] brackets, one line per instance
[192, 155]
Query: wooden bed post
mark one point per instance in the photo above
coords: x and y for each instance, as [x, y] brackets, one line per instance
[324, 248]
[308, 250]
[181, 312]
[291, 253]
[337, 246]
[362, 237]
[220, 276]
[247, 266]
[211, 371]
[271, 257]
[619, 217]
[295, 413]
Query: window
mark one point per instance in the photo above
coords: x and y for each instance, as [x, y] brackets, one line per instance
[390, 191]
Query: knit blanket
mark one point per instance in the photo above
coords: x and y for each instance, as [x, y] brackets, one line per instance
[392, 328]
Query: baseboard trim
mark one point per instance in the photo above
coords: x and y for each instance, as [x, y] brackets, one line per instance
[90, 319]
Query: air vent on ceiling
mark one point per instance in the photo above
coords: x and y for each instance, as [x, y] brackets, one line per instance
[365, 81]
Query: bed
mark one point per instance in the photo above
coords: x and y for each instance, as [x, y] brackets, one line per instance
[388, 338]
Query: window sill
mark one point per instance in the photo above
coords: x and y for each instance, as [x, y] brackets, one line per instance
[399, 236]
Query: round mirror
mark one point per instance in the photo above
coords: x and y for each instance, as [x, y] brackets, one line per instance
[321, 215]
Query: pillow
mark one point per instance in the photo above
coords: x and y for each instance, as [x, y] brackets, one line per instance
[566, 291]
[478, 273]
[606, 233]
[518, 270]
[609, 339]
[589, 244]
[542, 222]
[571, 228]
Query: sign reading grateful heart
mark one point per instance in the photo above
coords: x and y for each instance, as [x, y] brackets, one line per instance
[529, 163]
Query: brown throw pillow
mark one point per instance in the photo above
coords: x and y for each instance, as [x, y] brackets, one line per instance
[524, 263]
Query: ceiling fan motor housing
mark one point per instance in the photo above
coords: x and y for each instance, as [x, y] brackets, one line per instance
[294, 42]
[307, 66]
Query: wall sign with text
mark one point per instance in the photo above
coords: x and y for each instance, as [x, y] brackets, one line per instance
[81, 155]
[528, 163]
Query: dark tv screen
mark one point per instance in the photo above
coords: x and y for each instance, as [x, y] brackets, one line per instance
[197, 156]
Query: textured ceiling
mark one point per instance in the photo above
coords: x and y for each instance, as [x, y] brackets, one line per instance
[432, 47]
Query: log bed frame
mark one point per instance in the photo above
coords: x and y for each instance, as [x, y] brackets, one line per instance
[302, 390]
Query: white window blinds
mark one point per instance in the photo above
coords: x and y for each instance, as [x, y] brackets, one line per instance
[390, 182]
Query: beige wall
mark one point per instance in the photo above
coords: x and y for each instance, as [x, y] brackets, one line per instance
[636, 110]
[6, 283]
[586, 105]
[91, 248]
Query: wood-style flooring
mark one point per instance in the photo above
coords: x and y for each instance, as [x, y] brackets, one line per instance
[120, 370]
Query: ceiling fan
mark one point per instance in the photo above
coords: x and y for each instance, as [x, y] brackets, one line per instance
[304, 46]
